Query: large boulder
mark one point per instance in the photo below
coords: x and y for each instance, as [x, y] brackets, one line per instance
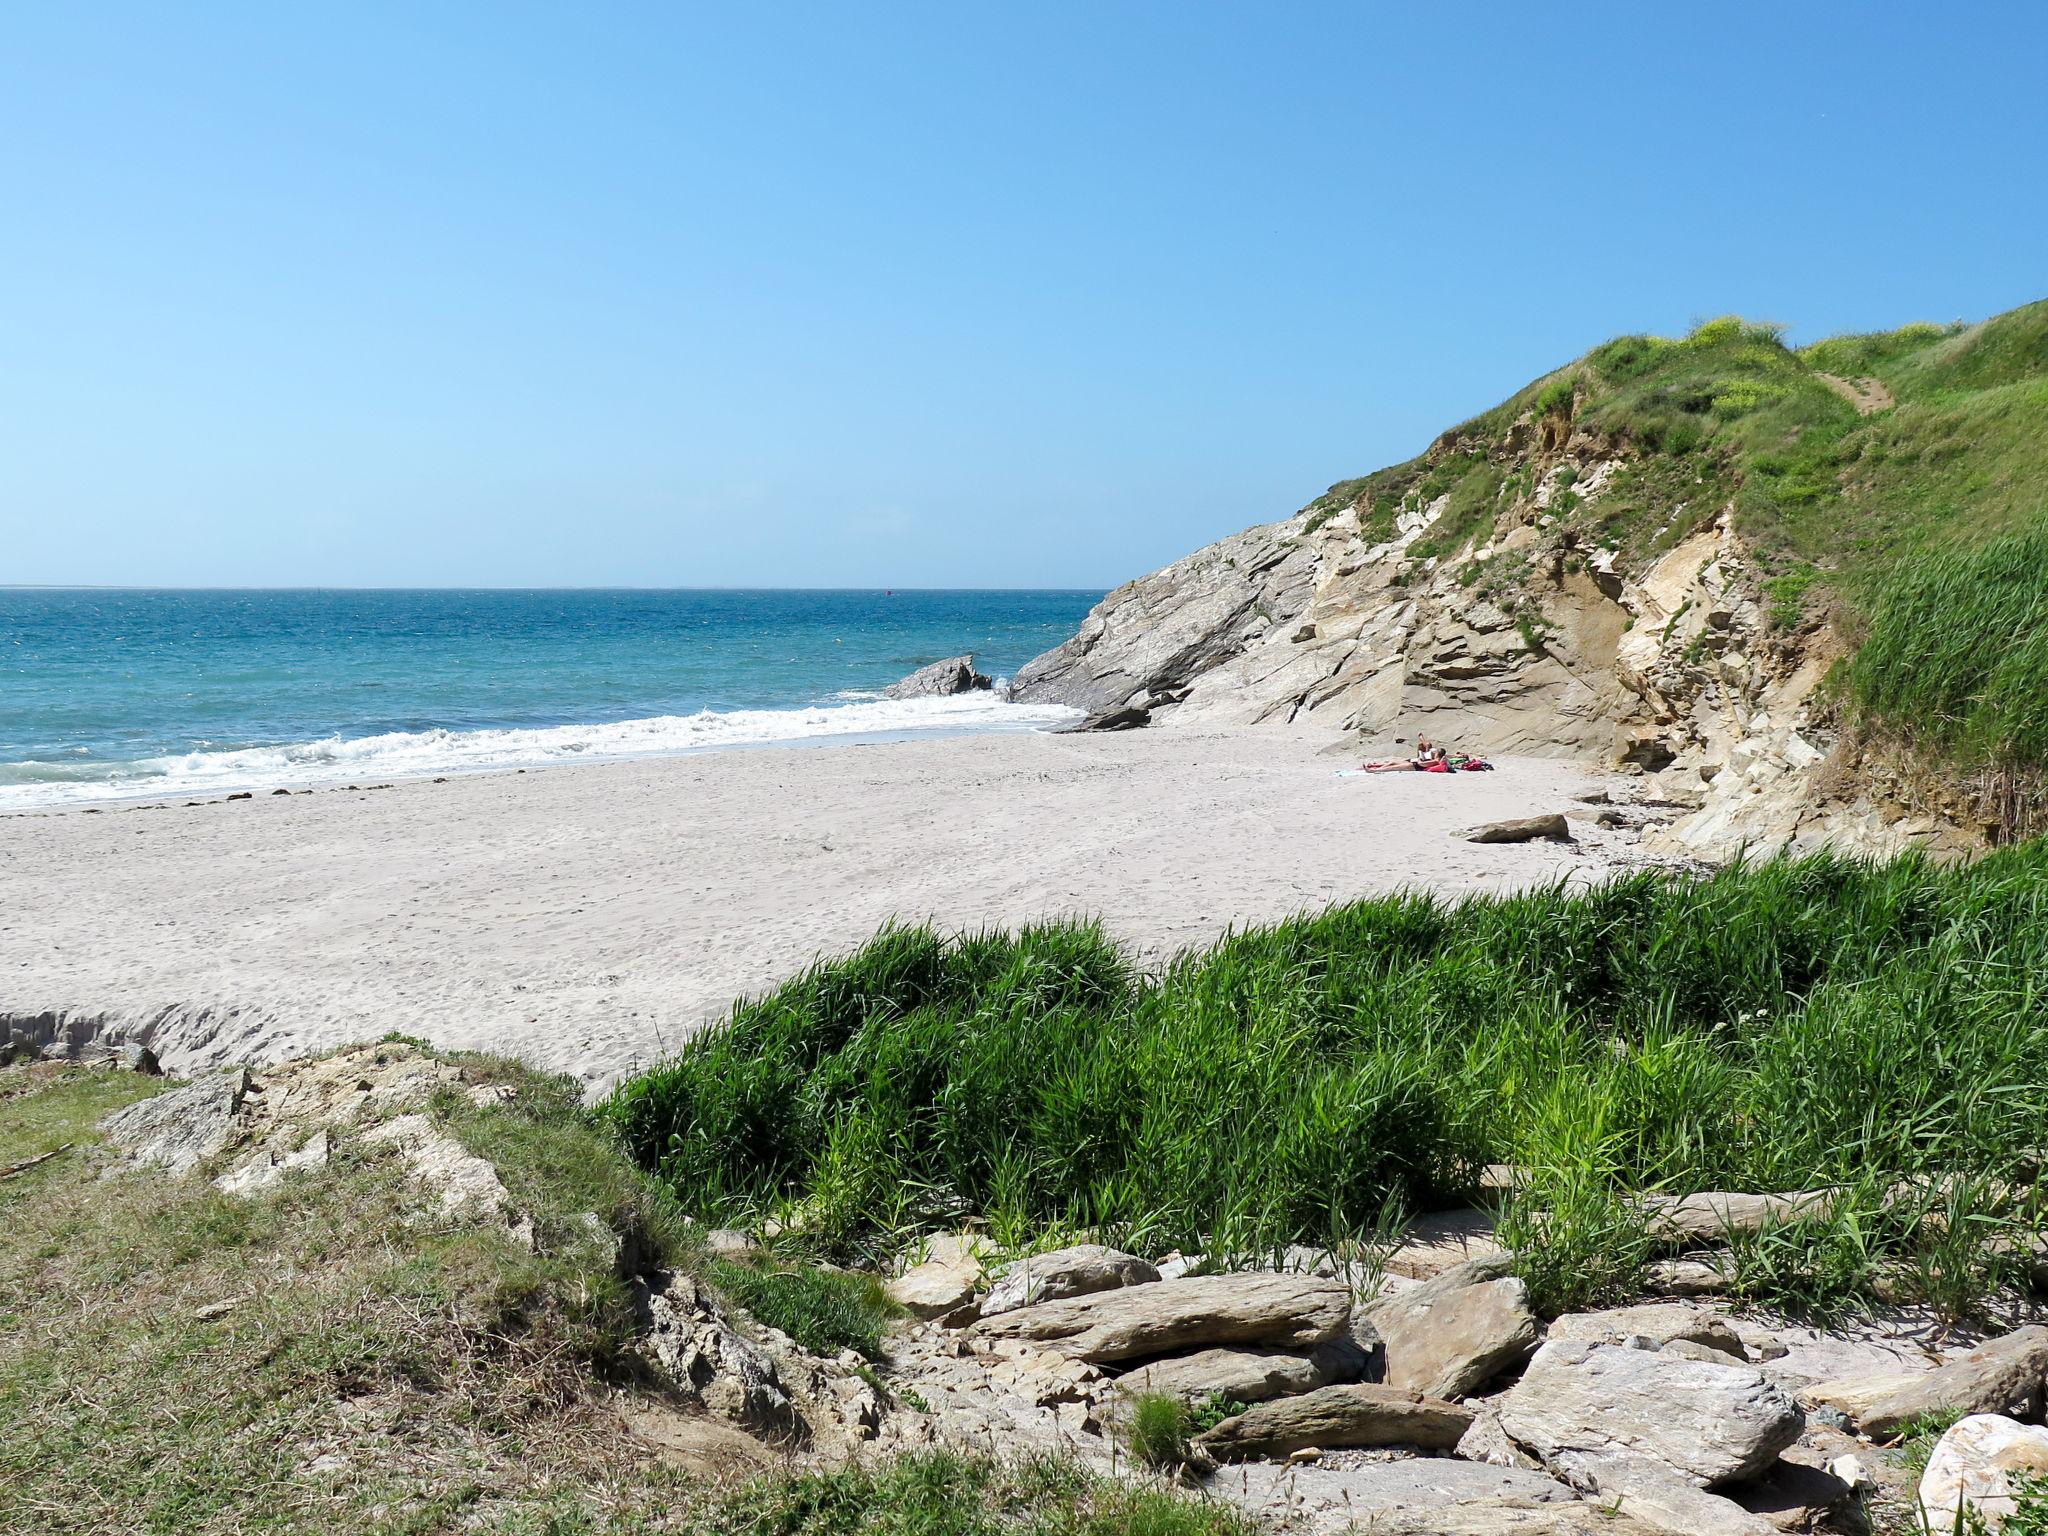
[1653, 1494]
[943, 1283]
[2004, 1376]
[1284, 1311]
[1080, 1270]
[1248, 1375]
[1580, 1402]
[1331, 1417]
[1449, 1336]
[1974, 1464]
[940, 680]
[178, 1130]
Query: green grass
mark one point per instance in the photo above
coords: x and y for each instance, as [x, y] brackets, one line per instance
[1820, 1021]
[937, 1494]
[1159, 1429]
[824, 1310]
[1958, 652]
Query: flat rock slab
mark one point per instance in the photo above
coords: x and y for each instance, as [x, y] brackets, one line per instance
[1524, 829]
[1332, 1417]
[179, 1129]
[1712, 1214]
[1443, 1240]
[1380, 1488]
[1247, 1375]
[1449, 1336]
[1081, 1270]
[2003, 1376]
[1975, 1462]
[1285, 1311]
[1709, 1423]
[1659, 1323]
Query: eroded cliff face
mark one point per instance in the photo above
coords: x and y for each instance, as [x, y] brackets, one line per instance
[1521, 639]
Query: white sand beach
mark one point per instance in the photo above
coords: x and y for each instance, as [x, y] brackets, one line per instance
[587, 918]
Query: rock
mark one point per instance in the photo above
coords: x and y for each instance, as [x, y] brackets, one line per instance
[2003, 1376]
[1526, 829]
[1716, 1213]
[1708, 1275]
[1358, 1414]
[1657, 1323]
[1653, 1494]
[179, 1129]
[943, 1285]
[702, 1354]
[1080, 1270]
[1129, 717]
[1359, 1496]
[1974, 1464]
[941, 679]
[268, 1168]
[1444, 1239]
[1797, 1495]
[1450, 1336]
[730, 1243]
[137, 1057]
[1289, 1311]
[1489, 1442]
[1711, 1424]
[464, 1185]
[1247, 1375]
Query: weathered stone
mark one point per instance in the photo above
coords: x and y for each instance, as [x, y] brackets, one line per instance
[1703, 1276]
[1525, 829]
[1128, 717]
[1711, 1424]
[1080, 1270]
[955, 674]
[1713, 1214]
[179, 1129]
[1359, 1414]
[1444, 1239]
[702, 1354]
[1288, 1311]
[1652, 1493]
[2003, 1376]
[1974, 1463]
[269, 1168]
[463, 1185]
[1360, 1497]
[1657, 1323]
[1449, 1336]
[1248, 1375]
[944, 1283]
[1802, 1491]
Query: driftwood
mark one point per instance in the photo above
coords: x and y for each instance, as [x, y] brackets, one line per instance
[24, 1166]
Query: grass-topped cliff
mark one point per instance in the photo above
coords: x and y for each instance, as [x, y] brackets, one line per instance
[1895, 483]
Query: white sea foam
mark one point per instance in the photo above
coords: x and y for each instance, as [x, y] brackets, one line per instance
[414, 754]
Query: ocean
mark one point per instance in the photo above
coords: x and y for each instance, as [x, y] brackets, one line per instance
[115, 694]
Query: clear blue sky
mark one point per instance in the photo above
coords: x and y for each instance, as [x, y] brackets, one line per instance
[891, 294]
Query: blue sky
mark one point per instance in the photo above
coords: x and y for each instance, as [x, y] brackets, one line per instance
[892, 294]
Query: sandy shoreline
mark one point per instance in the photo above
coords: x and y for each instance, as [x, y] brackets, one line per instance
[585, 918]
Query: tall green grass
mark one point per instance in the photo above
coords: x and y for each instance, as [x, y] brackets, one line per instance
[1775, 1025]
[1958, 651]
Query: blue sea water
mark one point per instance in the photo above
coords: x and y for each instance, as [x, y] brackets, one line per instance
[109, 694]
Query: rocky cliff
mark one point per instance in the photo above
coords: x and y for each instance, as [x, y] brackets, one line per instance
[1571, 574]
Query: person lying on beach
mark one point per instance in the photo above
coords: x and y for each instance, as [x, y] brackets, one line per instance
[1428, 758]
